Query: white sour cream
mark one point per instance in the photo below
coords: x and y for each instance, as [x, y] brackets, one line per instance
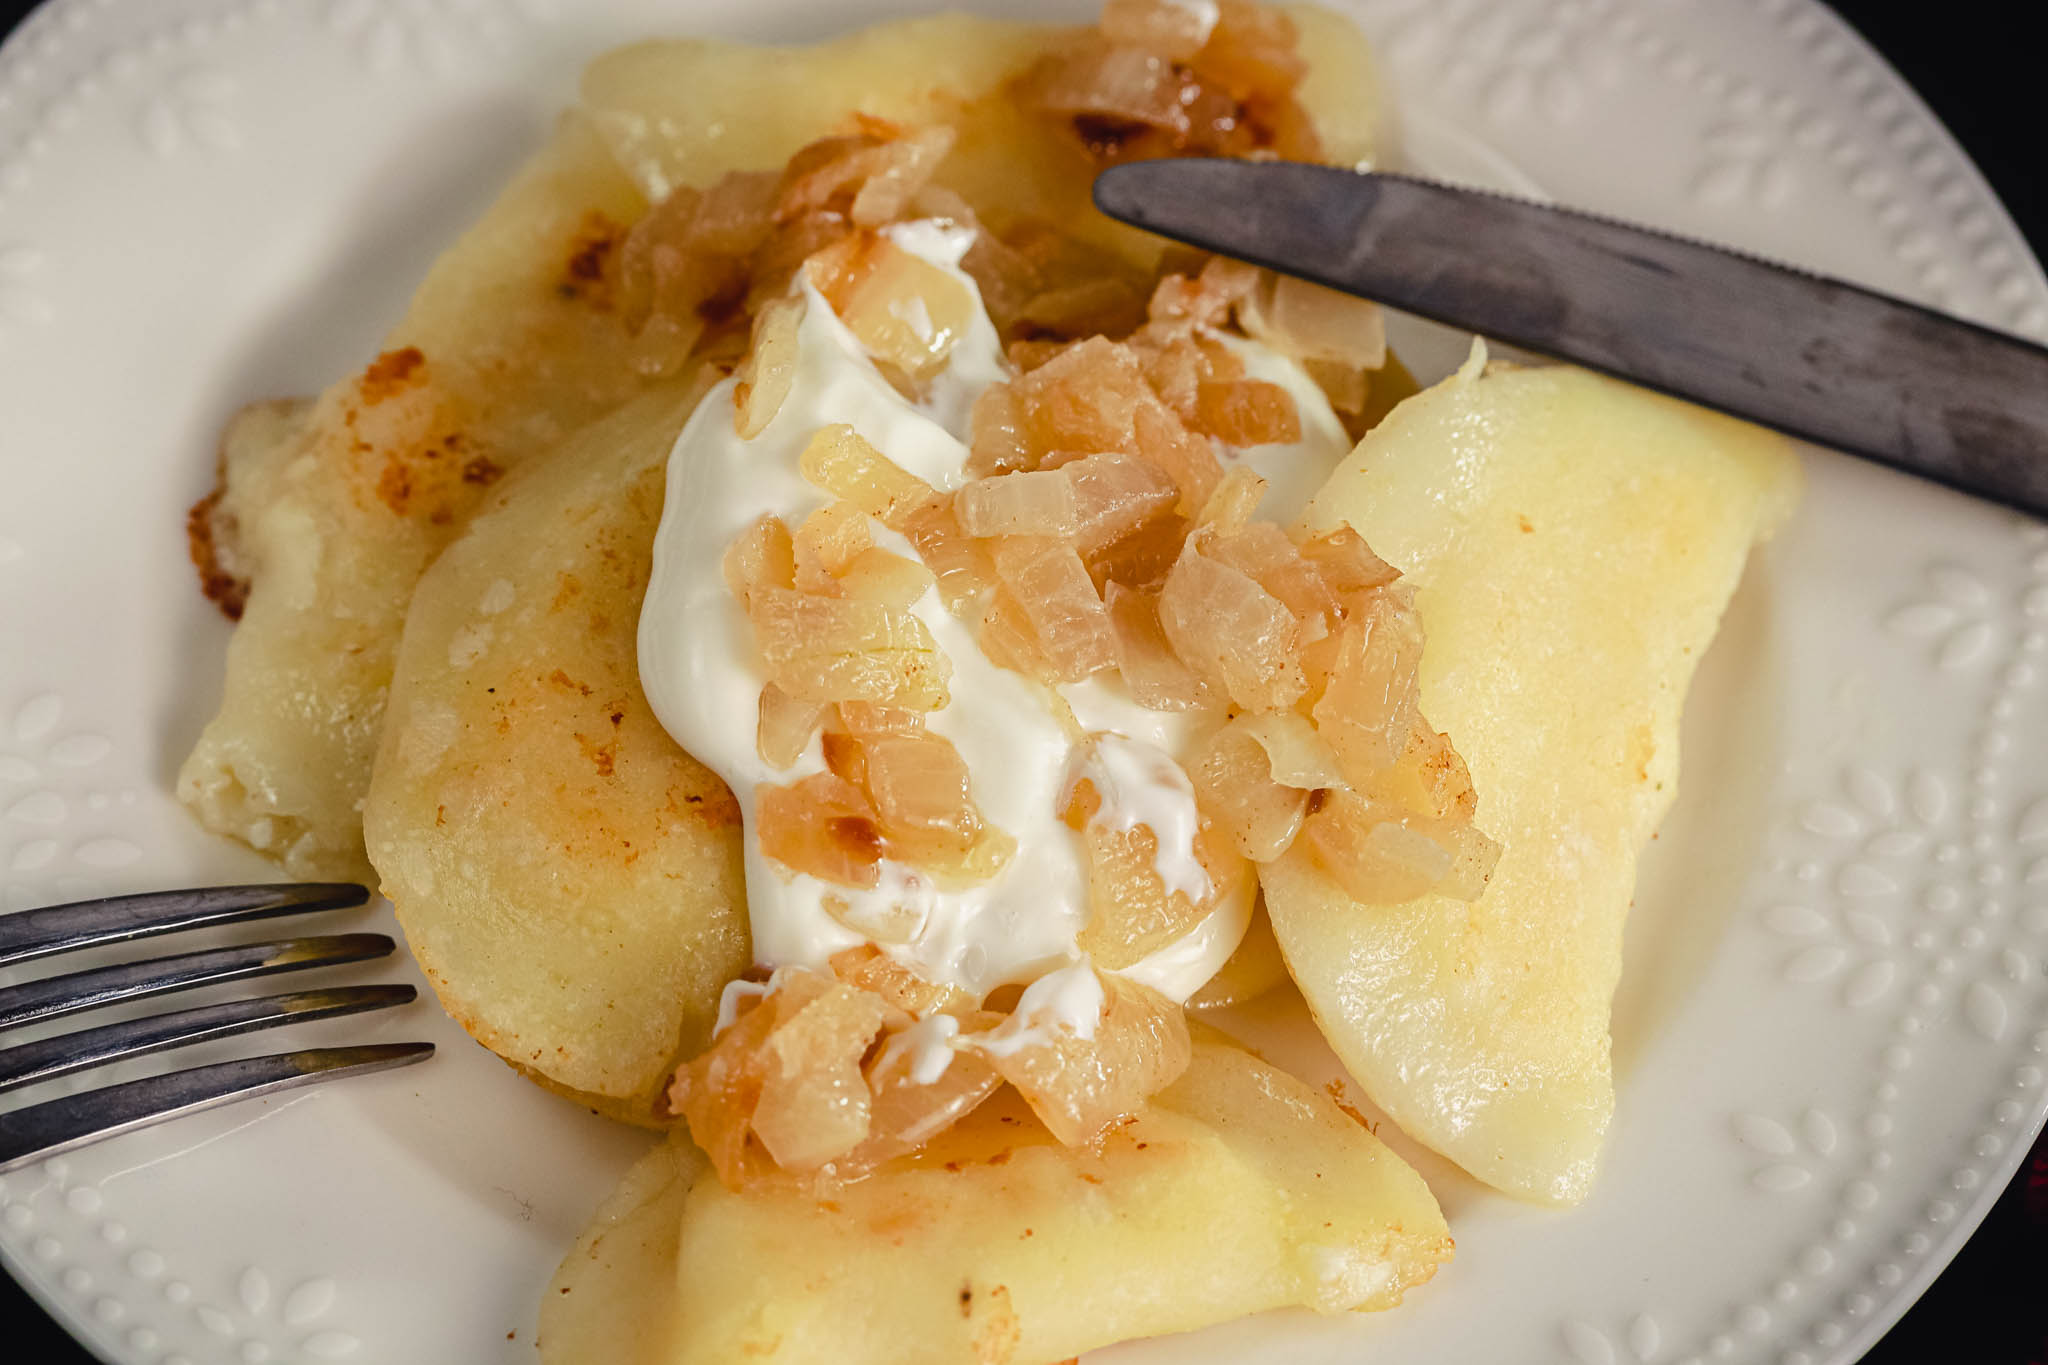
[701, 673]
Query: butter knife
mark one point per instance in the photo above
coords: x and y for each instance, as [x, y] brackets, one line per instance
[1816, 358]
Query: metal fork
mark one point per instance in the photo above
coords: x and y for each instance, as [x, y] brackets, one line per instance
[52, 1126]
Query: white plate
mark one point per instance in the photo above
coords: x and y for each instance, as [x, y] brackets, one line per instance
[1830, 1038]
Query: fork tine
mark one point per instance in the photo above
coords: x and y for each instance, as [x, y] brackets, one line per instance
[26, 934]
[47, 1058]
[42, 1130]
[34, 1001]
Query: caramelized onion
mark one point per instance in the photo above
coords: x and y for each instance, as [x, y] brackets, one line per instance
[1031, 503]
[1079, 1086]
[1232, 632]
[1050, 585]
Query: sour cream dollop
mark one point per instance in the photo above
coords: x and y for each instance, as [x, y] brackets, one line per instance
[703, 677]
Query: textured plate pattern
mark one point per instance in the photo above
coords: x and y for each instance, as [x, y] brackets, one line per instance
[1831, 1038]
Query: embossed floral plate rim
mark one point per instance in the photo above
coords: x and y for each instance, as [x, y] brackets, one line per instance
[1823, 1084]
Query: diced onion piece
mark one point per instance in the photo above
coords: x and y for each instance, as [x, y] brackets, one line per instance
[876, 575]
[826, 542]
[957, 560]
[1102, 306]
[1175, 370]
[1179, 360]
[1235, 787]
[1206, 299]
[1346, 386]
[901, 169]
[846, 757]
[1032, 503]
[821, 171]
[902, 677]
[764, 377]
[1368, 705]
[1111, 82]
[1376, 854]
[656, 251]
[1347, 564]
[863, 720]
[786, 726]
[905, 311]
[868, 177]
[868, 968]
[1228, 280]
[1085, 398]
[979, 862]
[1050, 585]
[772, 268]
[1246, 412]
[1079, 1086]
[1474, 857]
[716, 1093]
[838, 460]
[1251, 51]
[1005, 277]
[1234, 500]
[735, 215]
[762, 556]
[1143, 558]
[1177, 31]
[842, 649]
[821, 825]
[1232, 632]
[1308, 321]
[1130, 911]
[791, 624]
[1176, 298]
[1297, 755]
[1156, 676]
[691, 250]
[815, 1103]
[996, 441]
[1187, 458]
[1034, 352]
[1262, 551]
[922, 793]
[907, 1111]
[1429, 778]
[1009, 640]
[1114, 495]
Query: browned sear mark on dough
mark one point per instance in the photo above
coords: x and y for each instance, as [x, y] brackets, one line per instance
[1336, 1089]
[587, 275]
[422, 479]
[567, 683]
[225, 590]
[603, 757]
[392, 373]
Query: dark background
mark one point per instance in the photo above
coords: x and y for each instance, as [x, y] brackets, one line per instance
[1991, 1305]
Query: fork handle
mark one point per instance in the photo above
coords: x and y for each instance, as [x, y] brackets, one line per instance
[43, 1130]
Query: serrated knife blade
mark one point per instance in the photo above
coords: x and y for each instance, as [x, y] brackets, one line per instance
[1817, 358]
